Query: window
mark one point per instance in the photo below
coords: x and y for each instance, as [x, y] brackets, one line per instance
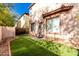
[40, 30]
[32, 26]
[53, 25]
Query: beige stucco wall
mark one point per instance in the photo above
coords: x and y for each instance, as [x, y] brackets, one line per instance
[24, 21]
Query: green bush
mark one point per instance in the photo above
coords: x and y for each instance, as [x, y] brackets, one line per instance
[20, 31]
[57, 48]
[6, 19]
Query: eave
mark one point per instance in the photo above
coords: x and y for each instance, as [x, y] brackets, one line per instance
[31, 5]
[59, 10]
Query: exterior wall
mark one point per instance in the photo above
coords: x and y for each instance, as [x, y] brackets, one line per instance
[69, 26]
[27, 21]
[23, 20]
[37, 10]
[22, 25]
[6, 32]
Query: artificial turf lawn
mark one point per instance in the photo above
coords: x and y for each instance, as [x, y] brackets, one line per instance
[24, 45]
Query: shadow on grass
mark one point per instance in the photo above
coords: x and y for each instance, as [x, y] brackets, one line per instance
[26, 47]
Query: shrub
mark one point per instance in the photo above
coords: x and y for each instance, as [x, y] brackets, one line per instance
[20, 31]
[57, 48]
[6, 19]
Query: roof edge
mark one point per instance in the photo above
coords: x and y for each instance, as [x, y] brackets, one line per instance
[61, 9]
[22, 15]
[31, 5]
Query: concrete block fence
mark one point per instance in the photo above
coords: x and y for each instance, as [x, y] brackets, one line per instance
[6, 35]
[6, 32]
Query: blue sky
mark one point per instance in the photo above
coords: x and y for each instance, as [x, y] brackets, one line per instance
[20, 8]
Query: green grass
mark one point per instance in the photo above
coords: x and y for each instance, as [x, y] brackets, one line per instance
[25, 46]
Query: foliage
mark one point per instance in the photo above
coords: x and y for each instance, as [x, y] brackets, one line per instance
[5, 17]
[24, 46]
[58, 48]
[78, 52]
[40, 47]
[21, 31]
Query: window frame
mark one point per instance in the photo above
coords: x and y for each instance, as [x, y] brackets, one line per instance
[33, 28]
[52, 18]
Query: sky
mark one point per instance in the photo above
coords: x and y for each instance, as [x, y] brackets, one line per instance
[20, 8]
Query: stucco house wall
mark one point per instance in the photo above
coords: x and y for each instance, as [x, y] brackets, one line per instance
[68, 24]
[24, 21]
[22, 25]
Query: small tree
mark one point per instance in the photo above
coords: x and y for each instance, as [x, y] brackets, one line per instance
[5, 17]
